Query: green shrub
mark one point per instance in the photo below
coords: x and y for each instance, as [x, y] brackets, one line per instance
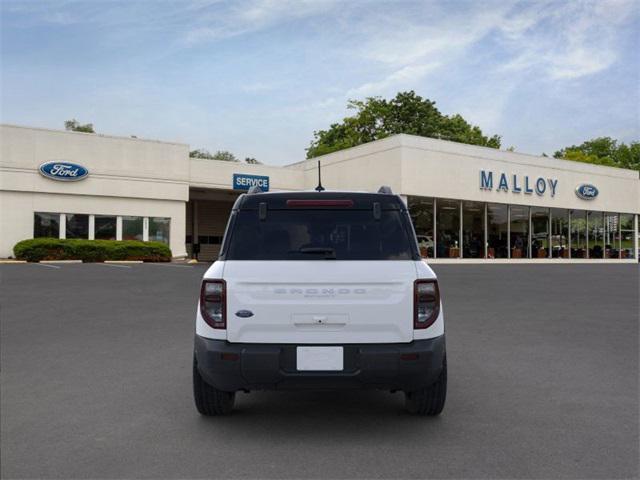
[36, 249]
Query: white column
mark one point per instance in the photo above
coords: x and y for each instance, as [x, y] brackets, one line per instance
[486, 233]
[145, 229]
[509, 231]
[549, 246]
[530, 236]
[118, 228]
[569, 233]
[635, 237]
[92, 227]
[460, 232]
[586, 234]
[63, 225]
[435, 230]
[619, 236]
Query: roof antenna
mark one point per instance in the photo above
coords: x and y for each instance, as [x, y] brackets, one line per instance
[319, 188]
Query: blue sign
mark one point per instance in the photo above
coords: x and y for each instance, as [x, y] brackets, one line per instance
[586, 191]
[518, 183]
[63, 171]
[245, 182]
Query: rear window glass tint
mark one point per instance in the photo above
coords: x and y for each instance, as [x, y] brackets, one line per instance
[320, 234]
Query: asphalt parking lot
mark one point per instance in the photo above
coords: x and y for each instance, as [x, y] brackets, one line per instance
[96, 383]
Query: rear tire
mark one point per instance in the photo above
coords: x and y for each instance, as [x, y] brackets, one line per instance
[209, 400]
[429, 400]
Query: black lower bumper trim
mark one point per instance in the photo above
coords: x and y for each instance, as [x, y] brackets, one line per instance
[253, 366]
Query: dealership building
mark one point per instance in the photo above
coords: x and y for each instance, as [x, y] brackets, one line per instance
[468, 203]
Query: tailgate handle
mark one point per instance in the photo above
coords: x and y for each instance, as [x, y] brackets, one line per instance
[319, 320]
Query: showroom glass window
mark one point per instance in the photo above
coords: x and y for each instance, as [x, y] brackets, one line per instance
[159, 229]
[559, 233]
[626, 235]
[46, 225]
[497, 230]
[578, 234]
[519, 231]
[132, 228]
[448, 228]
[611, 235]
[105, 227]
[421, 211]
[77, 226]
[472, 230]
[539, 232]
[596, 235]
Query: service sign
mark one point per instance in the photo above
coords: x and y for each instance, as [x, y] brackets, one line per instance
[63, 171]
[586, 191]
[245, 182]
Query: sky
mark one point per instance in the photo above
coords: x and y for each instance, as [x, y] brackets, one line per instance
[258, 77]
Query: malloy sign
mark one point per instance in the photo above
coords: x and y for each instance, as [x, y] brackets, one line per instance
[518, 183]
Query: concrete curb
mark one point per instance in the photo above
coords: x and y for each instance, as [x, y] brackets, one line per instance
[8, 262]
[529, 261]
[60, 261]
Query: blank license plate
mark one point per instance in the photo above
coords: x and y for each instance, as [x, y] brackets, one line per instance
[320, 358]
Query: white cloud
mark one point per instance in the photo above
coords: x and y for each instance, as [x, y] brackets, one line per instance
[405, 77]
[251, 16]
[564, 41]
[433, 36]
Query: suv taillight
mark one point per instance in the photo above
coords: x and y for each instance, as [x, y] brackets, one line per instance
[213, 303]
[426, 303]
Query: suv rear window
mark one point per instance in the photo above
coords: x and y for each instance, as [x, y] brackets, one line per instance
[314, 234]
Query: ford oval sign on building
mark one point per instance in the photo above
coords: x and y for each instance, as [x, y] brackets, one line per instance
[63, 171]
[586, 191]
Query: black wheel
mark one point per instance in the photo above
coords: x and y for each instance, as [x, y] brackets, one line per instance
[429, 400]
[209, 400]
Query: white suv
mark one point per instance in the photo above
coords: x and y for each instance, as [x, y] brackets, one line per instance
[319, 290]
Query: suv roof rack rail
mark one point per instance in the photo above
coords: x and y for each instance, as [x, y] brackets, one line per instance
[254, 189]
[385, 189]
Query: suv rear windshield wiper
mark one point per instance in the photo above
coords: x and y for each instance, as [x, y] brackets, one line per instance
[329, 252]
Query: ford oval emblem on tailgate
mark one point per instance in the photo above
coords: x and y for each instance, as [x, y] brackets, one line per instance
[244, 313]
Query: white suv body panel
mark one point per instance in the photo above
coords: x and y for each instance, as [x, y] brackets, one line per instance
[320, 301]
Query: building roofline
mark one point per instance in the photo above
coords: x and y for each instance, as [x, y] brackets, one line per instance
[363, 146]
[117, 137]
[431, 144]
[526, 158]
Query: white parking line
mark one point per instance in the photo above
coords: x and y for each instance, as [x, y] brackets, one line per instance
[170, 265]
[113, 265]
[46, 265]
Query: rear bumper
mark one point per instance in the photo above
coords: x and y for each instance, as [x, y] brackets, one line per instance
[252, 366]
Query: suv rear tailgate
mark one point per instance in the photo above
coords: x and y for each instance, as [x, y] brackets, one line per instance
[320, 302]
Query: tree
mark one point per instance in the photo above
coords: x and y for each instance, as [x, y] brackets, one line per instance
[604, 151]
[75, 126]
[377, 118]
[219, 155]
[201, 153]
[224, 156]
[252, 161]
